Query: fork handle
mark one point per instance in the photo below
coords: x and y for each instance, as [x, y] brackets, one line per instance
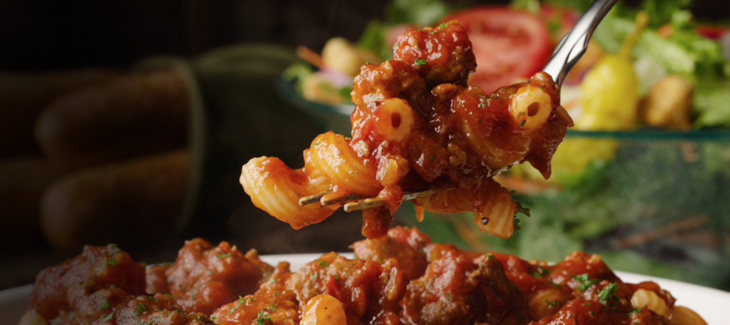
[574, 45]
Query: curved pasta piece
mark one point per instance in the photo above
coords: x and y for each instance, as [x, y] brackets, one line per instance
[339, 163]
[323, 310]
[276, 189]
[491, 203]
[531, 107]
[643, 298]
[685, 316]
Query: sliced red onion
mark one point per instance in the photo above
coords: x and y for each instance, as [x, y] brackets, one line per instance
[337, 79]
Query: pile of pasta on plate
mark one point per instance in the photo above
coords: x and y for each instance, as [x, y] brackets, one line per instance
[419, 127]
[401, 278]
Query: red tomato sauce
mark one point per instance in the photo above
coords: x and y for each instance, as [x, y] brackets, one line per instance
[402, 278]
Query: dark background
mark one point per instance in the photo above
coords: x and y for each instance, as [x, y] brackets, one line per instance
[39, 35]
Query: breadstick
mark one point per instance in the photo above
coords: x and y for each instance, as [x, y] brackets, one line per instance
[130, 203]
[23, 97]
[140, 114]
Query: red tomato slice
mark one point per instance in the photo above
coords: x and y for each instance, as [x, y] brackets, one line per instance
[713, 32]
[509, 45]
[559, 21]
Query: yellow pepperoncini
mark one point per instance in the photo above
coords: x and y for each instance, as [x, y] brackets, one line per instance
[611, 89]
[610, 93]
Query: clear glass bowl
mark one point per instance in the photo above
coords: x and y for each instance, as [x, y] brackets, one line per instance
[651, 202]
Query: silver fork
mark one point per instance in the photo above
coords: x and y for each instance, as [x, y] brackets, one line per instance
[574, 45]
[566, 55]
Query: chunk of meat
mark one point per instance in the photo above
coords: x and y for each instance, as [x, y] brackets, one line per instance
[96, 268]
[404, 245]
[206, 277]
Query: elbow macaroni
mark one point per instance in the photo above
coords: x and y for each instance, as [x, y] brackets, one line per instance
[395, 119]
[323, 310]
[649, 299]
[530, 107]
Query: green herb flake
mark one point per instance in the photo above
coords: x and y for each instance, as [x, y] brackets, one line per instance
[420, 62]
[324, 264]
[443, 26]
[608, 293]
[140, 310]
[112, 262]
[109, 317]
[523, 123]
[106, 305]
[537, 275]
[451, 297]
[263, 319]
[588, 284]
[552, 304]
[222, 256]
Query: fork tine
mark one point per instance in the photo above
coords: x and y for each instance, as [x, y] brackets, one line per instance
[312, 198]
[375, 202]
[363, 204]
[325, 200]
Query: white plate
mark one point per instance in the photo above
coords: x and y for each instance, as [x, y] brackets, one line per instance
[711, 304]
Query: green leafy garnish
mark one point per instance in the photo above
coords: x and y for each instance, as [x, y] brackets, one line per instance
[112, 262]
[608, 293]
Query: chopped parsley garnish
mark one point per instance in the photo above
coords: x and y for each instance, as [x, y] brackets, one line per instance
[109, 317]
[222, 256]
[443, 26]
[451, 297]
[586, 285]
[635, 312]
[324, 264]
[112, 262]
[586, 282]
[523, 123]
[421, 62]
[106, 305]
[551, 303]
[608, 293]
[140, 309]
[263, 319]
[536, 275]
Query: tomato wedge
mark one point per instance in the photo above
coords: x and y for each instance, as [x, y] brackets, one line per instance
[509, 45]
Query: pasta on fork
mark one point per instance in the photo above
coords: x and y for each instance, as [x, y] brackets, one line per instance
[418, 126]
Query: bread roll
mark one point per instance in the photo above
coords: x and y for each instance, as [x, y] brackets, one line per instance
[131, 203]
[140, 114]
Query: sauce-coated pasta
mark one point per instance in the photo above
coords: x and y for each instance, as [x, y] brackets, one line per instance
[400, 279]
[417, 126]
